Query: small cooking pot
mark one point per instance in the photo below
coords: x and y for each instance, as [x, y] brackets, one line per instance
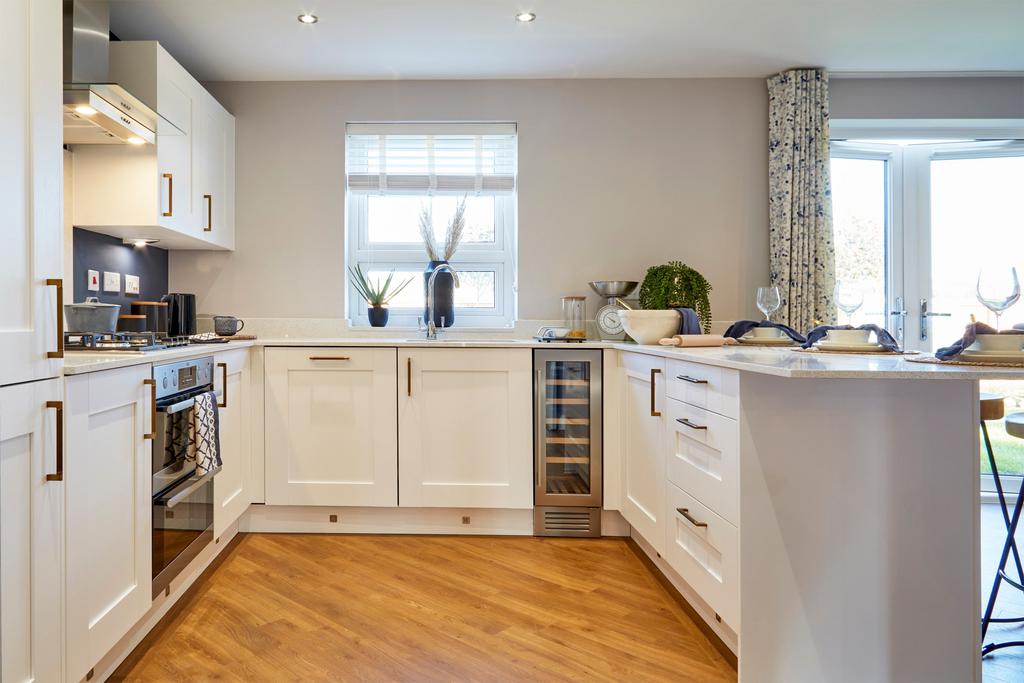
[91, 315]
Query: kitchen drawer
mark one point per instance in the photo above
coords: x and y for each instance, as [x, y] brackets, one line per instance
[703, 456]
[704, 550]
[705, 386]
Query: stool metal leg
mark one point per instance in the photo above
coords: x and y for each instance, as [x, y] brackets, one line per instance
[1003, 508]
[1008, 546]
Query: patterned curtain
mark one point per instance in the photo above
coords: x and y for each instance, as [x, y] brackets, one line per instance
[800, 197]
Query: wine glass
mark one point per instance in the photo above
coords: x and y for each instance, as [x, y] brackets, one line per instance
[849, 298]
[768, 301]
[998, 289]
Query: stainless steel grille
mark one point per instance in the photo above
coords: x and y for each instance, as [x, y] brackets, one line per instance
[567, 521]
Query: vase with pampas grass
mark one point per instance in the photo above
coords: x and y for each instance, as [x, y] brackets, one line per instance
[445, 282]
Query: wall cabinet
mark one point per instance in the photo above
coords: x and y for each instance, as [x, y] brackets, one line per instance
[465, 418]
[31, 532]
[108, 499]
[180, 190]
[231, 486]
[331, 419]
[643, 450]
[30, 192]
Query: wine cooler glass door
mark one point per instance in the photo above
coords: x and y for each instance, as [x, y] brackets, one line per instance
[569, 429]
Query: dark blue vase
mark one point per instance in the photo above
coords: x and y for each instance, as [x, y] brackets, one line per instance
[444, 295]
[378, 316]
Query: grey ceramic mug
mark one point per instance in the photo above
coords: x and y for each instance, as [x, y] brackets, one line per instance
[227, 325]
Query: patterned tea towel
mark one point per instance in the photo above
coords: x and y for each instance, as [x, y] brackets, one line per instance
[204, 434]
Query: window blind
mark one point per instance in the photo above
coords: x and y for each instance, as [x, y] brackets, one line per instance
[403, 158]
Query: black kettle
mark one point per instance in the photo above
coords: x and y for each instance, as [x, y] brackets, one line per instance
[181, 314]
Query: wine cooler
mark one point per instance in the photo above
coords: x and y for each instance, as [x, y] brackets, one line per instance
[567, 442]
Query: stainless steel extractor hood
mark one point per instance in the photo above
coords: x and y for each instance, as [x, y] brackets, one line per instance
[97, 111]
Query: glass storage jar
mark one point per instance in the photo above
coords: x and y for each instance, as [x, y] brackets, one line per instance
[574, 316]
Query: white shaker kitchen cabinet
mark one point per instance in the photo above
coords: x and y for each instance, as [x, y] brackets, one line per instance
[31, 261]
[465, 428]
[643, 446]
[215, 170]
[108, 510]
[231, 492]
[31, 534]
[331, 436]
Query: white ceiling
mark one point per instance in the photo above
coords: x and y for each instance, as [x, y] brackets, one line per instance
[386, 39]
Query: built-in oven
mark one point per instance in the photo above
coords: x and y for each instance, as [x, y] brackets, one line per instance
[182, 498]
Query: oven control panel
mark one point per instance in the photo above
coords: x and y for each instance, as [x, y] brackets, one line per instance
[174, 378]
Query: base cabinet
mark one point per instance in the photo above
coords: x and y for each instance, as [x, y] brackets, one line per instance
[231, 486]
[330, 426]
[464, 426]
[108, 506]
[31, 533]
[643, 450]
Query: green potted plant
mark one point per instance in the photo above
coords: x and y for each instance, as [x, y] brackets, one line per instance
[377, 294]
[665, 288]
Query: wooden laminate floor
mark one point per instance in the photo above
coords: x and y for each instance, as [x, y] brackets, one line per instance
[284, 607]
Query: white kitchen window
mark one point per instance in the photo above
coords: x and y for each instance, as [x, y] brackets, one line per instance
[393, 172]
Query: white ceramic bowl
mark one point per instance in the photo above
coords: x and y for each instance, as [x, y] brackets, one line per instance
[1000, 342]
[766, 332]
[849, 336]
[648, 327]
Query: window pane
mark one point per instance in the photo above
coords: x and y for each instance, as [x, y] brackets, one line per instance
[476, 288]
[859, 226]
[396, 218]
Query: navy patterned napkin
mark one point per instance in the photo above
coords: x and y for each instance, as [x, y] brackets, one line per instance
[742, 327]
[971, 333]
[887, 341]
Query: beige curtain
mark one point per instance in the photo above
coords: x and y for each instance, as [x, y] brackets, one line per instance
[802, 256]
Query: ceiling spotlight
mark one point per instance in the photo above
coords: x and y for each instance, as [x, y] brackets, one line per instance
[84, 110]
[136, 140]
[525, 17]
[307, 18]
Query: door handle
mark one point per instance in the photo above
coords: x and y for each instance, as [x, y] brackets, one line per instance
[690, 518]
[224, 382]
[58, 432]
[408, 376]
[209, 212]
[170, 194]
[654, 383]
[925, 314]
[59, 284]
[152, 409]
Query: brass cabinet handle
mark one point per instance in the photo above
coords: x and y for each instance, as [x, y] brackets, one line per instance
[59, 284]
[152, 409]
[58, 475]
[408, 376]
[209, 212]
[691, 425]
[224, 382]
[329, 358]
[689, 518]
[691, 380]
[170, 194]
[654, 384]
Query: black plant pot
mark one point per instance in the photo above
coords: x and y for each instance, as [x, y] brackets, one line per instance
[444, 295]
[378, 316]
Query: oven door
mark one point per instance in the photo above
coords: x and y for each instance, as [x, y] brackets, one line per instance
[182, 526]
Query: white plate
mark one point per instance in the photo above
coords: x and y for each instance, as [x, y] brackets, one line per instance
[767, 341]
[992, 356]
[872, 347]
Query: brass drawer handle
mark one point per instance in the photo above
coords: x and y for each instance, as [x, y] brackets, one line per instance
[59, 284]
[691, 425]
[654, 411]
[408, 376]
[59, 441]
[170, 194]
[224, 383]
[691, 380]
[685, 512]
[329, 358]
[209, 212]
[152, 409]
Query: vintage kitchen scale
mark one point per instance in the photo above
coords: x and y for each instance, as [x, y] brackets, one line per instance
[608, 322]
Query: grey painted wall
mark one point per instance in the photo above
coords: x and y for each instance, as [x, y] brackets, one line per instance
[614, 176]
[993, 97]
[93, 251]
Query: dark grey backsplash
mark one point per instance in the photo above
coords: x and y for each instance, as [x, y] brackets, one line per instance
[93, 251]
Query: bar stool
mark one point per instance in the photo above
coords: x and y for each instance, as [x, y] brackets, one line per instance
[1014, 427]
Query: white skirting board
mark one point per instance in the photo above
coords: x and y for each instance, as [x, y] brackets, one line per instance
[370, 520]
[728, 636]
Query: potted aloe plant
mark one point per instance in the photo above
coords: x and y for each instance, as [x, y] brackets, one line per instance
[377, 294]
